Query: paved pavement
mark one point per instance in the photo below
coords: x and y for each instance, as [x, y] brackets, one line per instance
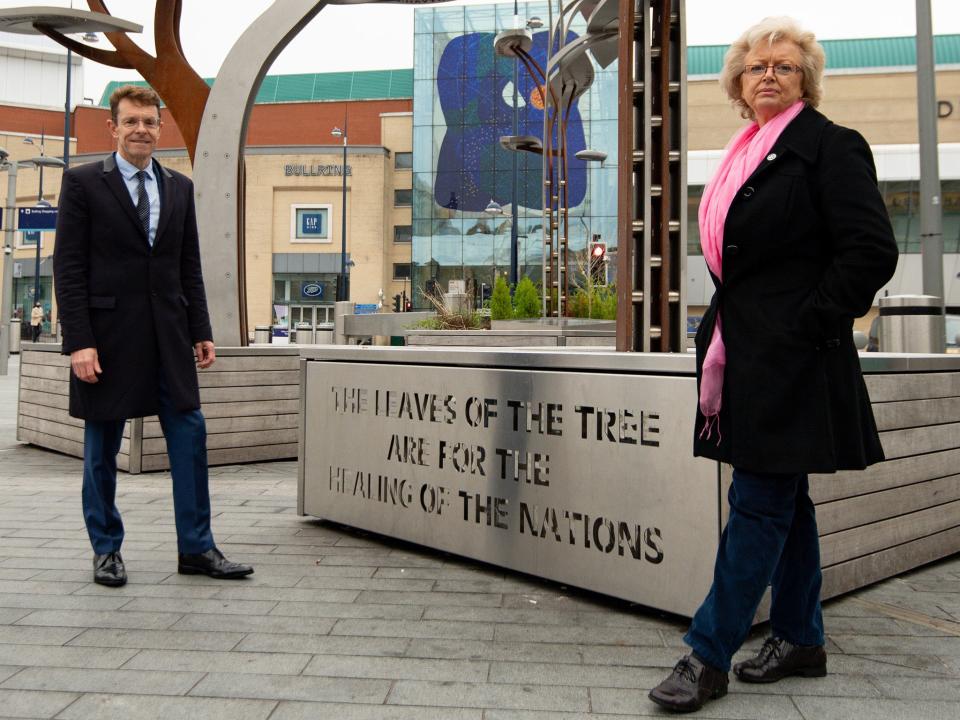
[341, 624]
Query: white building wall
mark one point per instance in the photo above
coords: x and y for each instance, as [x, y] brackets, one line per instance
[33, 71]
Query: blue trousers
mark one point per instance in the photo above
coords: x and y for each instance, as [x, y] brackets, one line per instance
[186, 436]
[770, 539]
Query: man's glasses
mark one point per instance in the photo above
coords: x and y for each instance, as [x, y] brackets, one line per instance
[781, 69]
[132, 123]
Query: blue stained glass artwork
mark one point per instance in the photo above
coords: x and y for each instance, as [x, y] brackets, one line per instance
[475, 90]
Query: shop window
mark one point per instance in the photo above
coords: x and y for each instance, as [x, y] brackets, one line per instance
[310, 223]
[403, 198]
[29, 239]
[402, 233]
[403, 161]
[950, 190]
[694, 193]
[902, 198]
[401, 271]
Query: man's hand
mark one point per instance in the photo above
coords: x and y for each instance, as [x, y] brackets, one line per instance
[85, 364]
[205, 353]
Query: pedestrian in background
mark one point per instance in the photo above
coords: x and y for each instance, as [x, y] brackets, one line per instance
[134, 316]
[36, 321]
[798, 242]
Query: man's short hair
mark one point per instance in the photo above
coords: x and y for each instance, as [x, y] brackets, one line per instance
[135, 93]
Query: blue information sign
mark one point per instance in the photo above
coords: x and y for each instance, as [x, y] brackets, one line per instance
[37, 218]
[365, 308]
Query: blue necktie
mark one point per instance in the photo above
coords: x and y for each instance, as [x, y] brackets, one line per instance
[143, 203]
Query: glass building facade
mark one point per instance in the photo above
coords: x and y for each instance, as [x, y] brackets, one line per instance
[462, 104]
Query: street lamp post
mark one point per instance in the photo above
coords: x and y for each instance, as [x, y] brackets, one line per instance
[494, 209]
[531, 24]
[343, 292]
[6, 301]
[516, 171]
[509, 43]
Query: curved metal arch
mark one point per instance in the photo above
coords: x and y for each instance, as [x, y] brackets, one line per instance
[218, 170]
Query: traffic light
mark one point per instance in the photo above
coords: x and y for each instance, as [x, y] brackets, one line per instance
[598, 261]
[407, 305]
[396, 302]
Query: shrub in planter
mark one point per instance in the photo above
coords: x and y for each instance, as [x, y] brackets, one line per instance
[501, 307]
[526, 299]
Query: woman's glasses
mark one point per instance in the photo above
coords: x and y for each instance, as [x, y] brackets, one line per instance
[781, 69]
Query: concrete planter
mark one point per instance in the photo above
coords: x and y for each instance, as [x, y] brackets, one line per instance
[539, 332]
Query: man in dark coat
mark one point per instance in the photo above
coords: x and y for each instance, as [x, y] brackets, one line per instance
[134, 318]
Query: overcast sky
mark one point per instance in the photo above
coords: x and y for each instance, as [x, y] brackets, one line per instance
[381, 36]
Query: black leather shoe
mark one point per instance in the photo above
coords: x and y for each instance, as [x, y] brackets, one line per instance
[778, 659]
[108, 570]
[690, 685]
[212, 563]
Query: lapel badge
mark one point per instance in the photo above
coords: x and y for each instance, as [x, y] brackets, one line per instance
[771, 157]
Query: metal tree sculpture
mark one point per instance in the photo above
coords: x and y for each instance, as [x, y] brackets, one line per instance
[183, 91]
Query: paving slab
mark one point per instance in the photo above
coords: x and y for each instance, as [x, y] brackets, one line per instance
[734, 706]
[289, 687]
[397, 668]
[95, 706]
[33, 703]
[85, 680]
[323, 644]
[311, 711]
[489, 695]
[64, 657]
[850, 709]
[349, 610]
[262, 663]
[157, 639]
[101, 618]
[12, 615]
[489, 650]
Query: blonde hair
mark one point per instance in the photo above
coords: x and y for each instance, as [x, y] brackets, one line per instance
[772, 30]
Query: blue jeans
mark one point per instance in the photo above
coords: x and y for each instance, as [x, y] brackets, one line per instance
[770, 539]
[186, 436]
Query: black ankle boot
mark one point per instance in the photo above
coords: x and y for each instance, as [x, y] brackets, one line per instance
[690, 685]
[778, 659]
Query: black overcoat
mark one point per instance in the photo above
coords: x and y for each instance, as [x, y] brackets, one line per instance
[141, 307]
[807, 244]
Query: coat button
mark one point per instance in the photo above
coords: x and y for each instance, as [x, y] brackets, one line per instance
[748, 191]
[771, 157]
[731, 250]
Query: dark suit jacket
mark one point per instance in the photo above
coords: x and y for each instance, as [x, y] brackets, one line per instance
[141, 307]
[807, 245]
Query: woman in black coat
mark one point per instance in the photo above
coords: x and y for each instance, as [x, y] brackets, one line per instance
[798, 243]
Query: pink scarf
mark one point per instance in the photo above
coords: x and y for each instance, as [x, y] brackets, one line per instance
[743, 154]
